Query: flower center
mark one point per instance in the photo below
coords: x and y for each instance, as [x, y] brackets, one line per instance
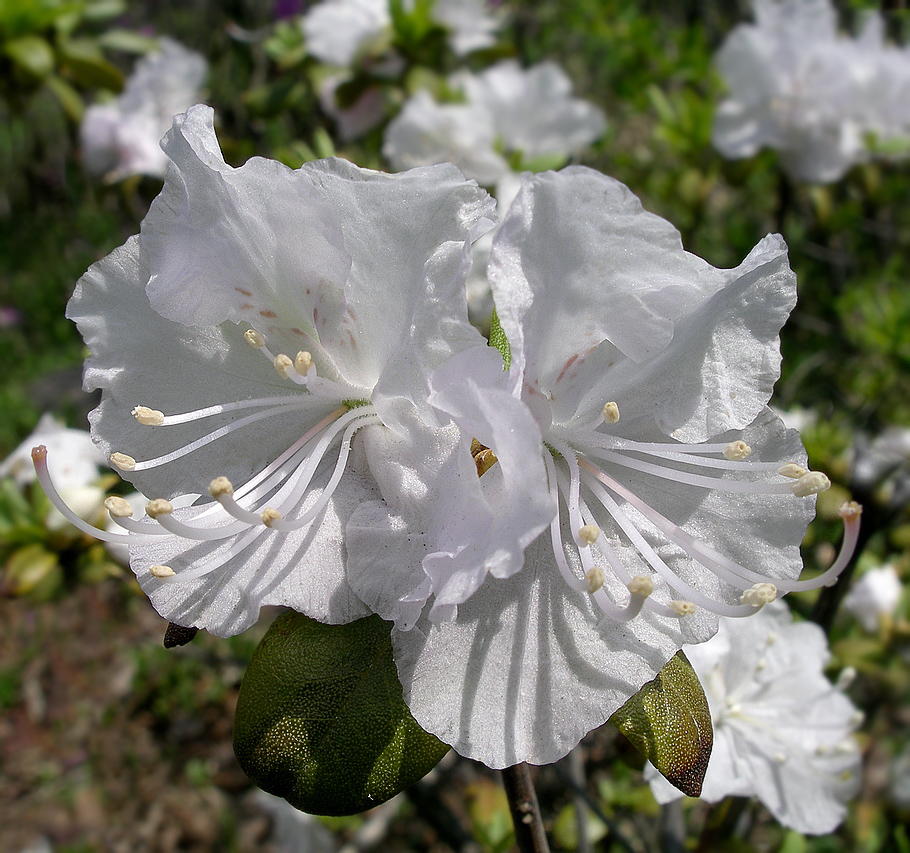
[578, 465]
[270, 503]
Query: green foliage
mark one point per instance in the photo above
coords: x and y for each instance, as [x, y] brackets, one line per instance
[668, 721]
[320, 720]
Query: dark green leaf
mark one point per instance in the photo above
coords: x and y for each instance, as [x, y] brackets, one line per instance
[320, 719]
[669, 722]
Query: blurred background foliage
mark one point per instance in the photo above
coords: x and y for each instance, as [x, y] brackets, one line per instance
[648, 64]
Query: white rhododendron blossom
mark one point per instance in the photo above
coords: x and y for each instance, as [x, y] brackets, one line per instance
[799, 87]
[646, 374]
[76, 467]
[121, 138]
[341, 32]
[76, 461]
[265, 342]
[509, 113]
[874, 596]
[782, 731]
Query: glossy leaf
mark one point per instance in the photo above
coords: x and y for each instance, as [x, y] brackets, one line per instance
[669, 722]
[320, 720]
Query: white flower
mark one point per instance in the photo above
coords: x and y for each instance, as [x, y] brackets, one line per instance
[645, 373]
[341, 32]
[793, 87]
[75, 463]
[261, 320]
[121, 138]
[874, 596]
[782, 732]
[509, 113]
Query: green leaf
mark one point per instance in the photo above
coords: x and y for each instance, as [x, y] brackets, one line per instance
[669, 722]
[499, 340]
[69, 98]
[32, 54]
[127, 41]
[320, 719]
[87, 65]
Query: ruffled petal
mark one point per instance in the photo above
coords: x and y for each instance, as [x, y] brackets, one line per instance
[600, 300]
[527, 669]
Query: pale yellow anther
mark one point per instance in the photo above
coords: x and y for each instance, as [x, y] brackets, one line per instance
[759, 595]
[221, 486]
[303, 362]
[792, 470]
[157, 507]
[588, 534]
[269, 516]
[780, 758]
[161, 571]
[283, 364]
[810, 483]
[147, 416]
[682, 608]
[254, 339]
[850, 511]
[641, 585]
[595, 578]
[118, 507]
[736, 451]
[122, 461]
[611, 413]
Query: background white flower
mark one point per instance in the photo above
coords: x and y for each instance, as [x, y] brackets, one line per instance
[874, 596]
[782, 732]
[802, 89]
[510, 115]
[121, 138]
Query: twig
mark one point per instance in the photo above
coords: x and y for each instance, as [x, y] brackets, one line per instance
[529, 832]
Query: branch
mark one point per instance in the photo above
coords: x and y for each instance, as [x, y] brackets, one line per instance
[529, 832]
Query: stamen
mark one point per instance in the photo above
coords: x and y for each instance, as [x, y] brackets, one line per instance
[736, 451]
[683, 608]
[303, 362]
[595, 578]
[611, 413]
[158, 507]
[270, 516]
[161, 571]
[118, 507]
[759, 594]
[123, 462]
[282, 364]
[792, 470]
[810, 483]
[147, 416]
[254, 339]
[589, 534]
[641, 585]
[39, 460]
[222, 490]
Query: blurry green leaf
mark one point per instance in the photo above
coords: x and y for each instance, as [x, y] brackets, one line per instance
[127, 41]
[491, 819]
[669, 722]
[320, 719]
[101, 10]
[33, 571]
[69, 98]
[87, 65]
[565, 828]
[32, 54]
[794, 843]
[322, 143]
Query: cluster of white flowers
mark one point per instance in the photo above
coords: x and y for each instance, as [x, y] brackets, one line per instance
[288, 370]
[782, 731]
[818, 97]
[509, 116]
[121, 138]
[341, 32]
